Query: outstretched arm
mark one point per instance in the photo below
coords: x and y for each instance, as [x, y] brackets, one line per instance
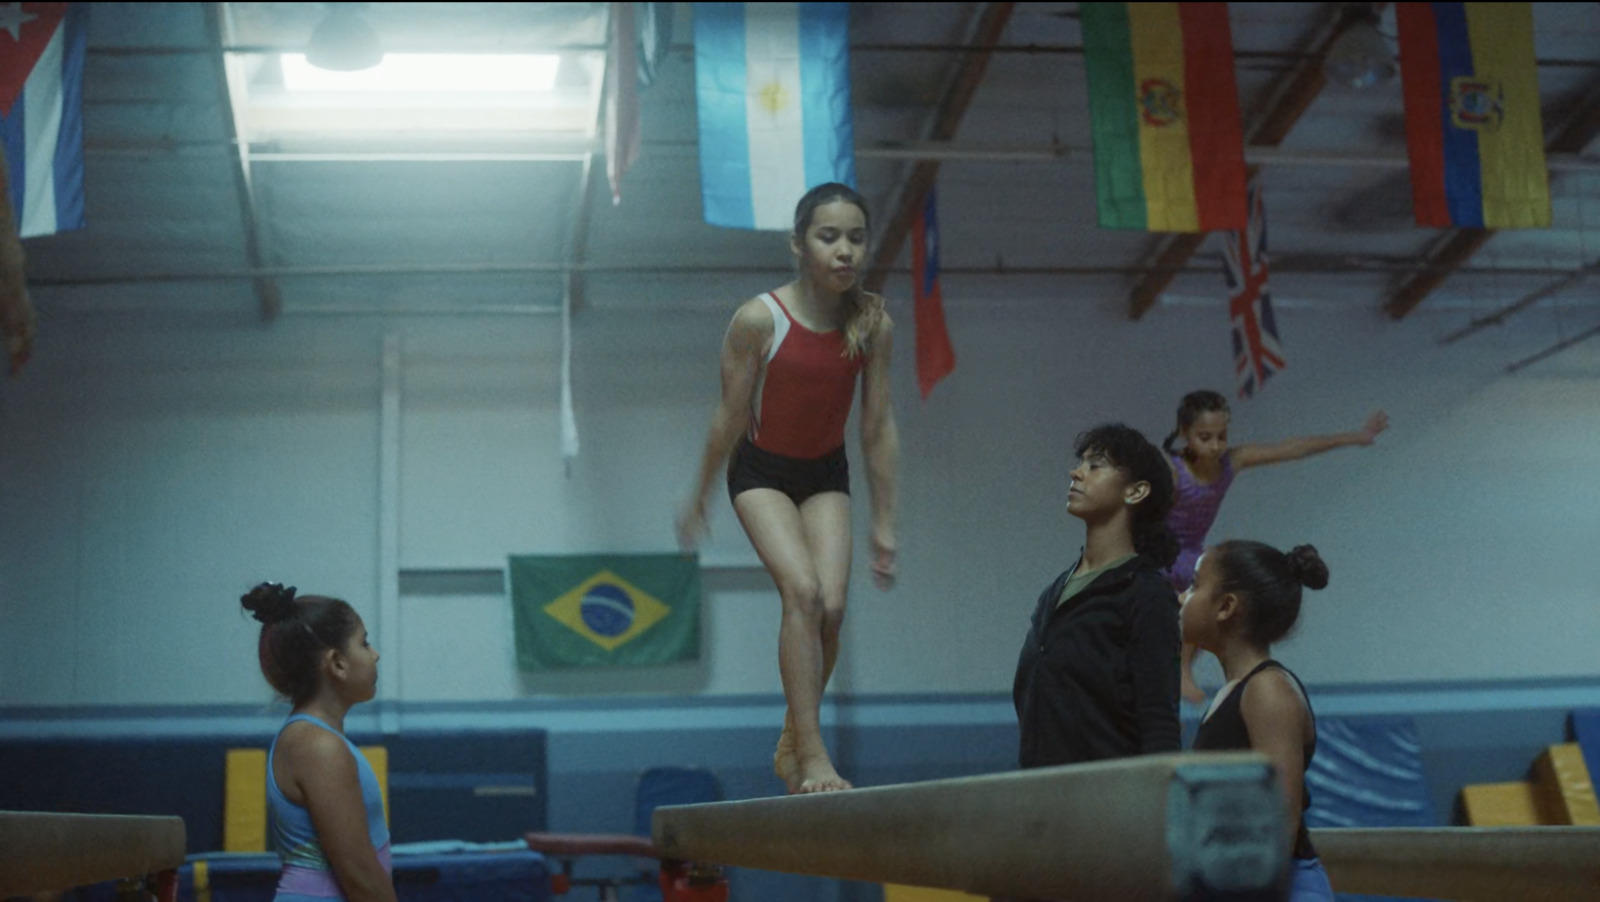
[743, 349]
[1255, 455]
[880, 443]
[16, 310]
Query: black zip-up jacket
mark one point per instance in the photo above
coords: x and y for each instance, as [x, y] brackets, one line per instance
[1098, 675]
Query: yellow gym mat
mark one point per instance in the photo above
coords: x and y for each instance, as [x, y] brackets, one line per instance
[1500, 805]
[895, 893]
[244, 805]
[1563, 787]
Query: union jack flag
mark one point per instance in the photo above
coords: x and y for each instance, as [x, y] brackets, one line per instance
[1257, 353]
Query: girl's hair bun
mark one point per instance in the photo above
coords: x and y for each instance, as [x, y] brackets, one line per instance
[1307, 567]
[270, 602]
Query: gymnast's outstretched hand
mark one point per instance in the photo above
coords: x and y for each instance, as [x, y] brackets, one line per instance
[1375, 424]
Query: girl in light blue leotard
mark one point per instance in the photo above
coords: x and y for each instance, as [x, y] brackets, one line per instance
[327, 808]
[1203, 468]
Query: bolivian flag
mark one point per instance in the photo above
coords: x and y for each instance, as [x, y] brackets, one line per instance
[1472, 115]
[1168, 140]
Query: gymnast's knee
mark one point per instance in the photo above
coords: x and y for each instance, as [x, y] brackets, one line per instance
[802, 597]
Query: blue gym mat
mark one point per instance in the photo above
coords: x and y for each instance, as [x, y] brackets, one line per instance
[1367, 772]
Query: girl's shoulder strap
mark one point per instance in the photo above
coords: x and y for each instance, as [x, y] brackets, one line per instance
[1180, 469]
[1257, 669]
[1271, 664]
[312, 719]
[779, 311]
[780, 321]
[1291, 674]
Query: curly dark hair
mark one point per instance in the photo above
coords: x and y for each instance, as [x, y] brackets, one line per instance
[1268, 583]
[294, 633]
[1129, 451]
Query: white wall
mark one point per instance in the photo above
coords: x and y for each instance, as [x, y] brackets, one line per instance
[150, 472]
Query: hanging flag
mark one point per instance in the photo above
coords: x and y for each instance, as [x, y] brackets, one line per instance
[1164, 111]
[935, 358]
[772, 84]
[569, 417]
[17, 318]
[622, 98]
[42, 48]
[653, 22]
[1473, 128]
[604, 610]
[1257, 353]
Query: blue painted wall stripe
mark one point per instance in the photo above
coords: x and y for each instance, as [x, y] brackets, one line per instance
[668, 714]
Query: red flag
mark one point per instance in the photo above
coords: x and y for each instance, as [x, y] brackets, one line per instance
[622, 100]
[935, 358]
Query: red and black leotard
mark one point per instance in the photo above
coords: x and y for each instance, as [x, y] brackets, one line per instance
[802, 402]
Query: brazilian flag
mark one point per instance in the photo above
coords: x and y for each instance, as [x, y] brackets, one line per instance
[605, 610]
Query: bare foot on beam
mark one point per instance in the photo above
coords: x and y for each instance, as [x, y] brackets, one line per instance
[816, 774]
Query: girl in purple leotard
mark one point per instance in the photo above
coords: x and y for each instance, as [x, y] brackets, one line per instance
[1203, 468]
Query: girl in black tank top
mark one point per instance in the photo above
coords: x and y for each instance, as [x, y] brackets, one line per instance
[1245, 597]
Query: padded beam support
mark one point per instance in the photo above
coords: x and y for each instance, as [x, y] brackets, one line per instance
[1159, 827]
[1505, 864]
[50, 852]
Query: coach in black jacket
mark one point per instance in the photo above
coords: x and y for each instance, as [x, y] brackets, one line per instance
[1098, 673]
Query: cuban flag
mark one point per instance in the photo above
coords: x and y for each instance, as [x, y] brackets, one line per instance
[772, 84]
[936, 359]
[1257, 353]
[42, 48]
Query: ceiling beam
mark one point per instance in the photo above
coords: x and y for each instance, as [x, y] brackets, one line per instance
[1256, 60]
[1528, 300]
[1286, 263]
[567, 150]
[1455, 248]
[1554, 349]
[1284, 102]
[1581, 126]
[913, 191]
[268, 297]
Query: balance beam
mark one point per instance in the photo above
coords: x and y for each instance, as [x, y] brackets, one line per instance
[1479, 864]
[1148, 829]
[49, 852]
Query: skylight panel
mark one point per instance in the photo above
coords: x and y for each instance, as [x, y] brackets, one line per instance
[428, 73]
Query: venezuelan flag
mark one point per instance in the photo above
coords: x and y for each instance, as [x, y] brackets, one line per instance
[1472, 115]
[1168, 139]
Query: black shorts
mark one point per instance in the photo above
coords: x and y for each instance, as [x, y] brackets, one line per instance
[752, 468]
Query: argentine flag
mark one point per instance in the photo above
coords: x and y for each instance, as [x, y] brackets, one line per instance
[42, 47]
[772, 81]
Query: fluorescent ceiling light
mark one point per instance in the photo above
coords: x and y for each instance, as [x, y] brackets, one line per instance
[419, 73]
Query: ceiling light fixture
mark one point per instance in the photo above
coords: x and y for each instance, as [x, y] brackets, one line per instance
[1362, 57]
[345, 41]
[429, 73]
